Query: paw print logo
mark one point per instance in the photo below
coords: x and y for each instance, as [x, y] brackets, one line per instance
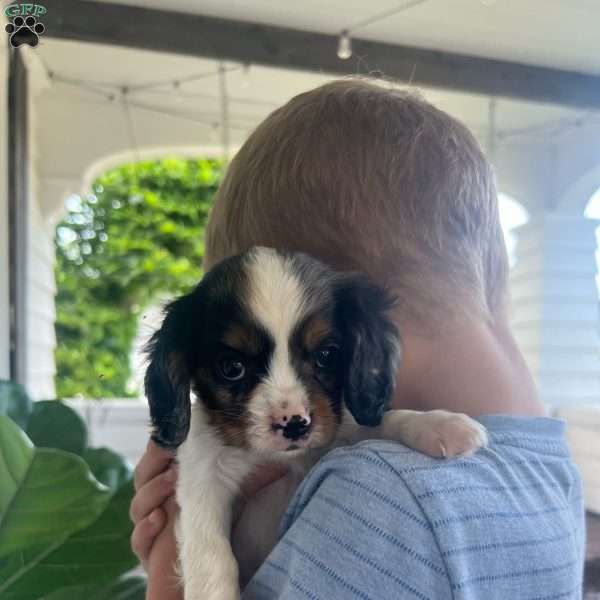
[24, 31]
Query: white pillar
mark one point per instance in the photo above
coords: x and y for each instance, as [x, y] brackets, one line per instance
[40, 284]
[555, 307]
[4, 281]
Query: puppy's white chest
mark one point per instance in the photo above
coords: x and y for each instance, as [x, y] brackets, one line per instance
[257, 529]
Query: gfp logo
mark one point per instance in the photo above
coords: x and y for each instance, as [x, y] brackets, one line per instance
[25, 26]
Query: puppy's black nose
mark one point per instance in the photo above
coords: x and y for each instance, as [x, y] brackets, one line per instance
[296, 427]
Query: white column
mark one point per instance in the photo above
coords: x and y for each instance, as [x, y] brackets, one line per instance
[555, 307]
[40, 284]
[4, 282]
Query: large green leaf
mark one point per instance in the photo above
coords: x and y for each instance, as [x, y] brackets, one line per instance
[64, 524]
[53, 424]
[14, 402]
[99, 553]
[108, 467]
[128, 588]
[45, 494]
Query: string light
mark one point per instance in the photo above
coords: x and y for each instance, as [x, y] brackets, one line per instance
[224, 106]
[113, 94]
[177, 96]
[344, 50]
[246, 76]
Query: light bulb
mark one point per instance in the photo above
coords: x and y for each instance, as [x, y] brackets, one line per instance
[246, 76]
[344, 50]
[177, 97]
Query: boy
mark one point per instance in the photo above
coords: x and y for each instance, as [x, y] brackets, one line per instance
[376, 180]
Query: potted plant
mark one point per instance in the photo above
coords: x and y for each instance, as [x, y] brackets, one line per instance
[64, 524]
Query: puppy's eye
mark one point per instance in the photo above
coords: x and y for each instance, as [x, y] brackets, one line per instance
[232, 369]
[325, 357]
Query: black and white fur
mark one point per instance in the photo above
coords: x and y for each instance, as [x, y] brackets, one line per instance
[285, 359]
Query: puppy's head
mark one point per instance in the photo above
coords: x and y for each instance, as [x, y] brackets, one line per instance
[272, 345]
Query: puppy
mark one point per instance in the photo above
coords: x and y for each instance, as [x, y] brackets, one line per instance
[285, 359]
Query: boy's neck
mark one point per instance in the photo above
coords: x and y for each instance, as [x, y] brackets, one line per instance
[474, 368]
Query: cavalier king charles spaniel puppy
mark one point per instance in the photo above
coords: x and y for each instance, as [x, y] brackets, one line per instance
[273, 357]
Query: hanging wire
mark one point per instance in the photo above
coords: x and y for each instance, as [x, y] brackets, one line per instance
[492, 128]
[111, 92]
[84, 85]
[550, 129]
[224, 104]
[406, 5]
[132, 139]
[344, 50]
[232, 99]
[206, 119]
[189, 79]
[547, 130]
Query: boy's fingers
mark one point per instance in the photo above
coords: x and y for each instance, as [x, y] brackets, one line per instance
[152, 495]
[145, 532]
[154, 461]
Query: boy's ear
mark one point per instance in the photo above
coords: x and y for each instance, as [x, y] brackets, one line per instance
[167, 380]
[371, 348]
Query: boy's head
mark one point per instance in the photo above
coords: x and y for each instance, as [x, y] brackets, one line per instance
[375, 180]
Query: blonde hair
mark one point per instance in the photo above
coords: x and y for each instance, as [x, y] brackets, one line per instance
[375, 180]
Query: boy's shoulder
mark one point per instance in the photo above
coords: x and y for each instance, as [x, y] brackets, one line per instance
[511, 513]
[377, 518]
[513, 441]
[525, 473]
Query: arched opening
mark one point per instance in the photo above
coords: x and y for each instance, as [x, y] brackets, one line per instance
[137, 237]
[592, 211]
[512, 215]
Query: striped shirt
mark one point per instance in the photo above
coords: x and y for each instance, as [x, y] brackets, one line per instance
[379, 521]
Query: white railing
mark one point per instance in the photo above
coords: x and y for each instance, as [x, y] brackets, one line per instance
[123, 426]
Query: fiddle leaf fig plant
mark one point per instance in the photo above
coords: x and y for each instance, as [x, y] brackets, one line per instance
[64, 524]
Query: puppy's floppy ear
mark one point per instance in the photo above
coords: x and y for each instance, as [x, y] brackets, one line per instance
[371, 348]
[167, 380]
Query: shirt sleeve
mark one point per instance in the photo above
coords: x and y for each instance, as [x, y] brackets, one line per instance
[353, 530]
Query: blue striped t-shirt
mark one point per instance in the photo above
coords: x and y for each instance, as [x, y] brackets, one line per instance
[379, 521]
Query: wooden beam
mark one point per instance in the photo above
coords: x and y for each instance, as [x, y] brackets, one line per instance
[207, 37]
[18, 213]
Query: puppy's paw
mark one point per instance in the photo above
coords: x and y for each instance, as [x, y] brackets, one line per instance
[446, 434]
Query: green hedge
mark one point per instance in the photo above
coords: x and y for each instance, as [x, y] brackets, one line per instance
[139, 235]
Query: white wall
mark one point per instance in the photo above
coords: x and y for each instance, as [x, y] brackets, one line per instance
[555, 307]
[4, 300]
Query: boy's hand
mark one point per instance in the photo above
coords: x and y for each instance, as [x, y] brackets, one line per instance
[153, 511]
[154, 480]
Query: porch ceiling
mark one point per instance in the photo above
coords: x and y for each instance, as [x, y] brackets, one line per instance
[552, 33]
[170, 108]
[78, 125]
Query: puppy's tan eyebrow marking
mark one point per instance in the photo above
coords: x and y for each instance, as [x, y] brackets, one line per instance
[244, 339]
[314, 330]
